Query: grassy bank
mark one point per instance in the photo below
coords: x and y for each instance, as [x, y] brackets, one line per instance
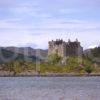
[72, 65]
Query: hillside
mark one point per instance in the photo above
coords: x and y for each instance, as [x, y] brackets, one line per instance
[10, 55]
[42, 54]
[94, 54]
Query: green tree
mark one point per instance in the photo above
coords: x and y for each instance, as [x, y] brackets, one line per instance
[96, 52]
[54, 58]
[72, 62]
[88, 69]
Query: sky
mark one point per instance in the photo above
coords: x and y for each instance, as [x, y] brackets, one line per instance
[35, 22]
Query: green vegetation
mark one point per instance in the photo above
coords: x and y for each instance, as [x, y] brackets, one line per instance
[54, 58]
[88, 69]
[73, 64]
[17, 66]
[88, 64]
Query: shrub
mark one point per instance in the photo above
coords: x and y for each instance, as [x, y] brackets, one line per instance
[88, 69]
[54, 58]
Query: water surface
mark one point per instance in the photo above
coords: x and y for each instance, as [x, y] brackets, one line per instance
[50, 88]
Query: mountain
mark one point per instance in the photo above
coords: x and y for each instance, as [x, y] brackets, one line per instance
[30, 54]
[6, 55]
[93, 53]
[22, 53]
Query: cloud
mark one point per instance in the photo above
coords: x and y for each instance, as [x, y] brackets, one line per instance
[93, 46]
[16, 34]
[7, 3]
[35, 22]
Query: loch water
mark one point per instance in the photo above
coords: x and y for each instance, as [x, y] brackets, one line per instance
[49, 88]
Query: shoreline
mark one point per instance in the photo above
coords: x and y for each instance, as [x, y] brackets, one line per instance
[53, 75]
[46, 74]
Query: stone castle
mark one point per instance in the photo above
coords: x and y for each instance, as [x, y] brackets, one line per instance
[65, 49]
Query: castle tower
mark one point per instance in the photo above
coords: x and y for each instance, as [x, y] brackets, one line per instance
[65, 49]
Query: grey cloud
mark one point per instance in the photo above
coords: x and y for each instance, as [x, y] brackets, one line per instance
[7, 3]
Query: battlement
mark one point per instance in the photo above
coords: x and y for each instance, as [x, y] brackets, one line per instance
[57, 42]
[60, 42]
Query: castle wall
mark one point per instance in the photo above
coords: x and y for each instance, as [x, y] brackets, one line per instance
[65, 49]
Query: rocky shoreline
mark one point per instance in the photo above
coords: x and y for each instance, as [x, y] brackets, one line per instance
[34, 74]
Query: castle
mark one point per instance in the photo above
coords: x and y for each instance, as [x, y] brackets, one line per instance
[65, 49]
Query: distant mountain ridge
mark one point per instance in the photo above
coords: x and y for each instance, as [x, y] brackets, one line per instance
[22, 53]
[28, 53]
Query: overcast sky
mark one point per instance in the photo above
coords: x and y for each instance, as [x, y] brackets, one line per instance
[35, 22]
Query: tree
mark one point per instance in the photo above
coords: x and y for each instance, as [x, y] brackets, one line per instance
[88, 69]
[54, 58]
[96, 52]
[72, 62]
